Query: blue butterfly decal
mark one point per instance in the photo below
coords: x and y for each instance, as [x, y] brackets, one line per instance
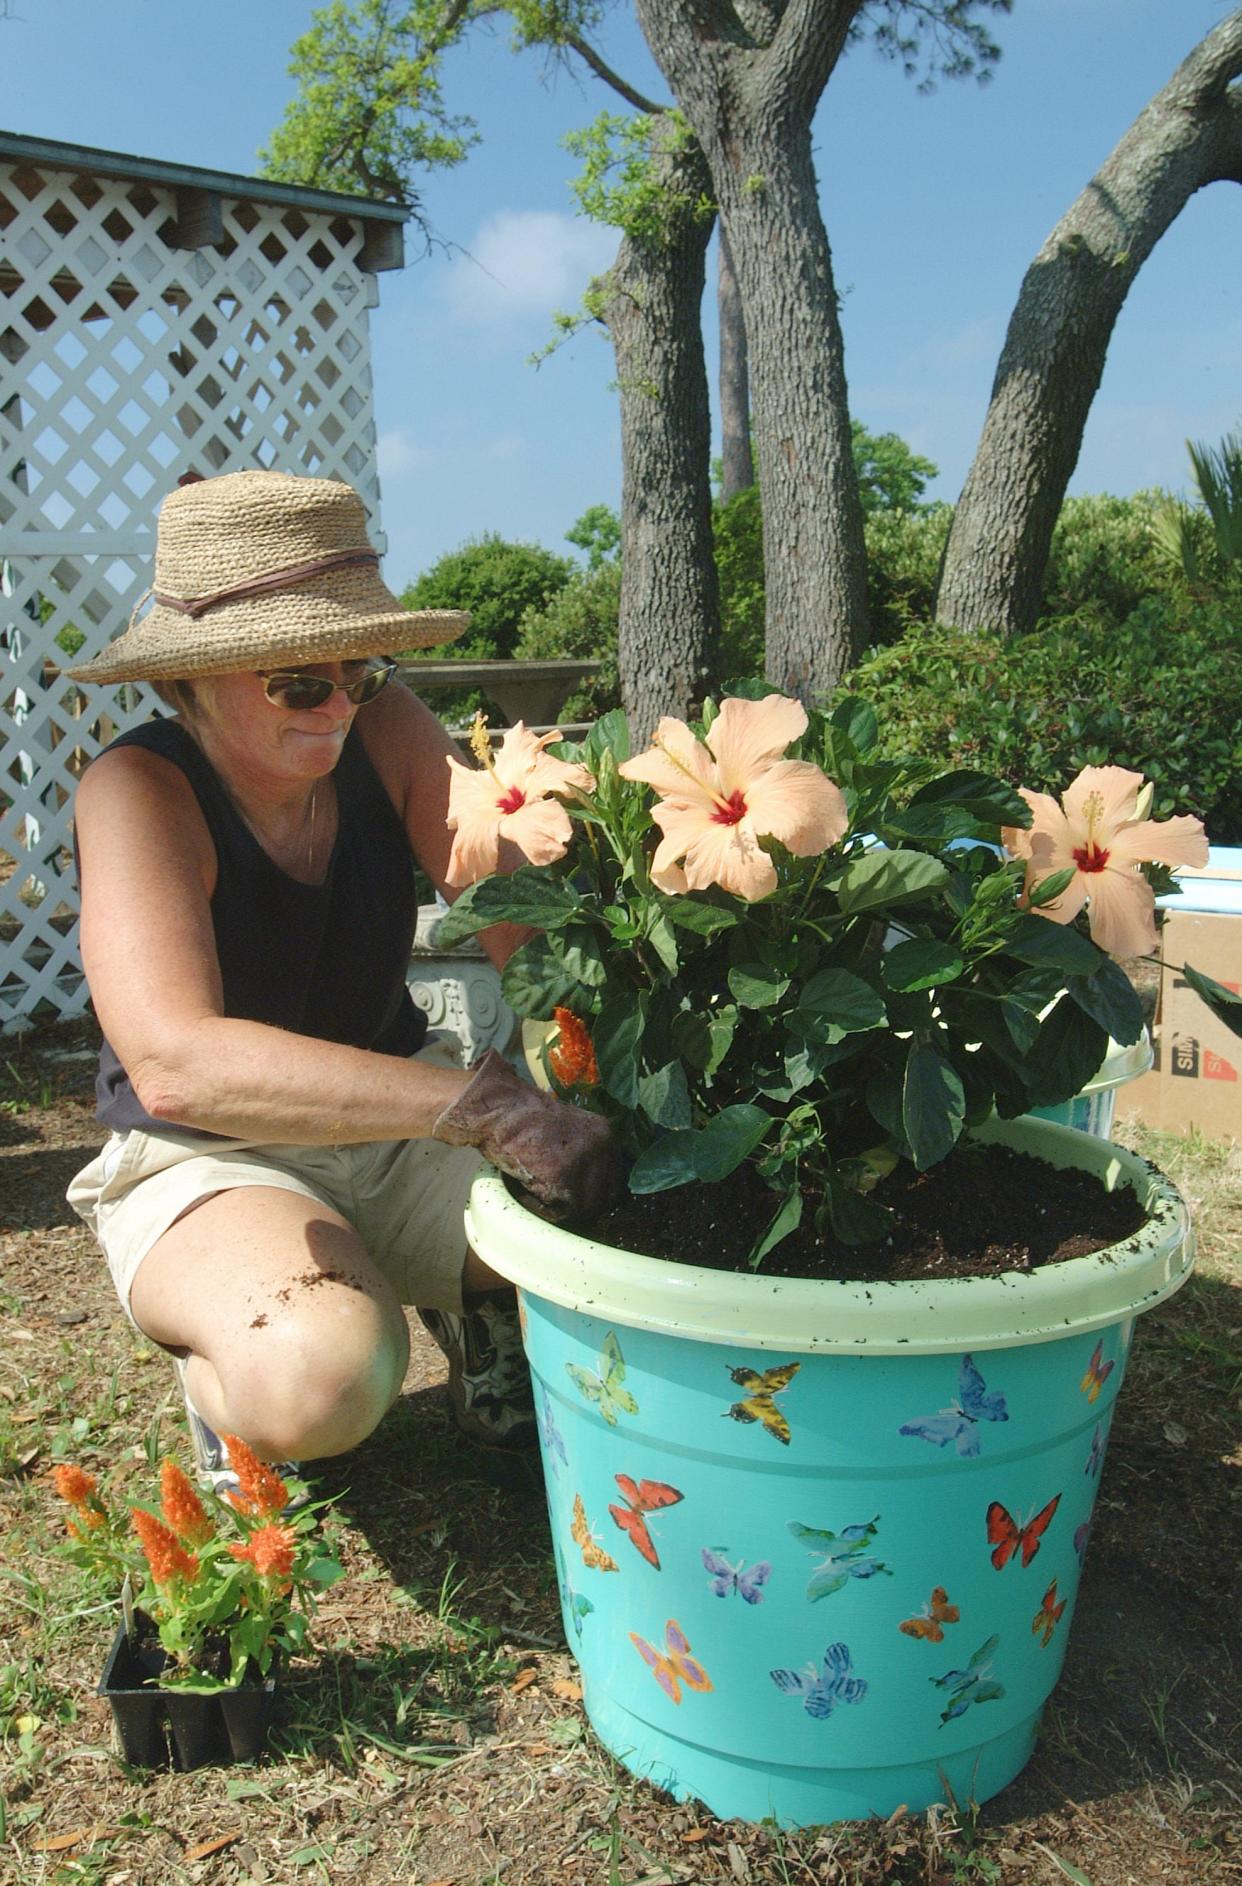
[970, 1685]
[575, 1606]
[549, 1433]
[1099, 1441]
[742, 1578]
[843, 1555]
[959, 1422]
[821, 1690]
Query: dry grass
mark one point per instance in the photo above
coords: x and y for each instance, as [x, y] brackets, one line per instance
[437, 1736]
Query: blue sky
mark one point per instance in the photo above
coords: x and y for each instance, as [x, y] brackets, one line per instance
[934, 206]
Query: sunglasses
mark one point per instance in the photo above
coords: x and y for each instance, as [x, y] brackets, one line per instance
[296, 690]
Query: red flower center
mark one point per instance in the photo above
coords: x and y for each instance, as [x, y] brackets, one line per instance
[511, 801]
[730, 811]
[1090, 857]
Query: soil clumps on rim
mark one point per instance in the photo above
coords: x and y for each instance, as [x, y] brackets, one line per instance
[981, 1212]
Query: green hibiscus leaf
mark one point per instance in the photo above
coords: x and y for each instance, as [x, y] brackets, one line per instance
[1224, 1003]
[1045, 943]
[530, 897]
[989, 800]
[1069, 1053]
[884, 878]
[664, 1096]
[534, 981]
[726, 1140]
[754, 985]
[617, 1035]
[834, 995]
[1108, 996]
[920, 963]
[704, 919]
[787, 1219]
[933, 1105]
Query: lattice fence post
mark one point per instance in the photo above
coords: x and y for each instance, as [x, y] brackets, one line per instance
[149, 328]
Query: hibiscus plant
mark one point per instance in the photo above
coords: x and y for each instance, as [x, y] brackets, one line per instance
[761, 942]
[226, 1579]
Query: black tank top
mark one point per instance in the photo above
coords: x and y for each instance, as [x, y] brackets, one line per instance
[327, 960]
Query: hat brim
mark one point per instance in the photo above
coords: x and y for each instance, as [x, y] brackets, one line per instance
[345, 615]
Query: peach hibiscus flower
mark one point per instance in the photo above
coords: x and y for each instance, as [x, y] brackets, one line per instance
[720, 797]
[508, 797]
[1100, 831]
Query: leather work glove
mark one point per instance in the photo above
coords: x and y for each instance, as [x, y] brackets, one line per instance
[564, 1157]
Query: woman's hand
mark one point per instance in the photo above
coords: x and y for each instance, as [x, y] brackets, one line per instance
[564, 1157]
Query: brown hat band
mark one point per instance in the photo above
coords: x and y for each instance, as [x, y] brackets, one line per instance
[258, 585]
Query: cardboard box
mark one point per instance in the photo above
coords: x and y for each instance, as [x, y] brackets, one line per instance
[1196, 1078]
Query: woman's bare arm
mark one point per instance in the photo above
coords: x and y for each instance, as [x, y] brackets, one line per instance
[148, 948]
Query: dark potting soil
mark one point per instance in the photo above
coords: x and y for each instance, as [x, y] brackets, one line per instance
[982, 1211]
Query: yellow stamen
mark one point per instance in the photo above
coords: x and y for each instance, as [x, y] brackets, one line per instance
[480, 745]
[691, 775]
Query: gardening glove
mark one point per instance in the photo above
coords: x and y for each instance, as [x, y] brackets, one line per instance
[565, 1158]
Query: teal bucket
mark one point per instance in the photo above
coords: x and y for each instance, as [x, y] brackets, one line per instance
[819, 1544]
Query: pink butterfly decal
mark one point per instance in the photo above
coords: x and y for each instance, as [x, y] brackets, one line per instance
[675, 1666]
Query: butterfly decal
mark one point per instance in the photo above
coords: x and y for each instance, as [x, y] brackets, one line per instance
[1048, 1615]
[842, 1555]
[594, 1556]
[642, 1497]
[970, 1685]
[1009, 1535]
[1082, 1537]
[742, 1578]
[959, 1422]
[758, 1403]
[605, 1388]
[1099, 1441]
[549, 1433]
[573, 1603]
[676, 1666]
[521, 1314]
[931, 1620]
[821, 1690]
[1098, 1372]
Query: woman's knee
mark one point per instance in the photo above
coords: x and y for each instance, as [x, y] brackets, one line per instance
[319, 1384]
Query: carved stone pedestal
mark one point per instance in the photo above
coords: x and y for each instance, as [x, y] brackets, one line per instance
[458, 990]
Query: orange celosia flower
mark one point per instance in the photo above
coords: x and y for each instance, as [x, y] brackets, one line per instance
[270, 1550]
[720, 797]
[508, 798]
[1100, 831]
[169, 1561]
[261, 1491]
[571, 1056]
[183, 1509]
[91, 1517]
[75, 1485]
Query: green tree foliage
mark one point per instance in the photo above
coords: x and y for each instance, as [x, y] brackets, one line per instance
[891, 477]
[369, 113]
[597, 533]
[1161, 692]
[579, 623]
[497, 581]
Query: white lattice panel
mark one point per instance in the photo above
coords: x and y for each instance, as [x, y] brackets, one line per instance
[126, 363]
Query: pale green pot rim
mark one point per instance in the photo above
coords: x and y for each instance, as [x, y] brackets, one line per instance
[809, 1316]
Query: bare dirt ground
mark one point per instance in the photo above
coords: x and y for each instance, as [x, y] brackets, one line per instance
[436, 1735]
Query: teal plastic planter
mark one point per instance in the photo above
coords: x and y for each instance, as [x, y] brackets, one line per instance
[819, 1544]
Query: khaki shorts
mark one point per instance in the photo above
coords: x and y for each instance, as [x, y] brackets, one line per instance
[404, 1198]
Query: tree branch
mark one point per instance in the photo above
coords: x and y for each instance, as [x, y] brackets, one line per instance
[602, 70]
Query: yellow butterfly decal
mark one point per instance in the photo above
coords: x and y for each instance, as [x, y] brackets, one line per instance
[758, 1403]
[594, 1556]
[605, 1388]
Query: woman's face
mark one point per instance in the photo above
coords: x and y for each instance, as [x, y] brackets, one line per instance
[254, 737]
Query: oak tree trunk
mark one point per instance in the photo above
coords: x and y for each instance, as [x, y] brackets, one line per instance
[737, 464]
[747, 79]
[1189, 135]
[651, 301]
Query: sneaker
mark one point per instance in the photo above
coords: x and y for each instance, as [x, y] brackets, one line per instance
[489, 1383]
[210, 1458]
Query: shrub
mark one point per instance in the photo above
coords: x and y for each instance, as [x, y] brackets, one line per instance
[580, 624]
[1161, 694]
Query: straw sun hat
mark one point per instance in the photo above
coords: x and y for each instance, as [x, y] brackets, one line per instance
[260, 569]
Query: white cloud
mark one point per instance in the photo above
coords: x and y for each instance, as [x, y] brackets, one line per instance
[396, 453]
[526, 262]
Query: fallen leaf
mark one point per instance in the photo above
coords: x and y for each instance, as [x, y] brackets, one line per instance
[567, 1689]
[695, 1833]
[205, 1847]
[1175, 1435]
[80, 1837]
[524, 1679]
[739, 1865]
